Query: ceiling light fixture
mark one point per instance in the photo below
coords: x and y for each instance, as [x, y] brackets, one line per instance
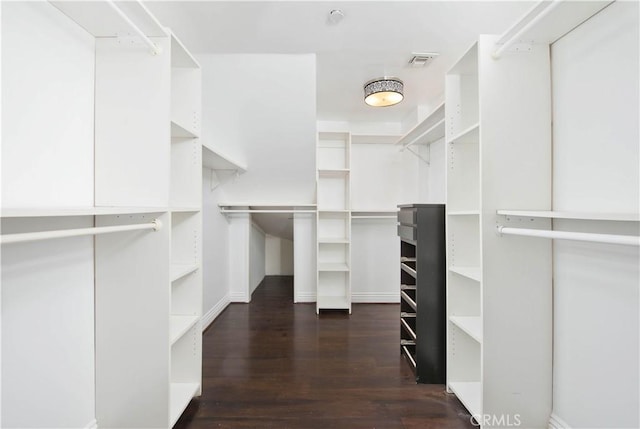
[383, 91]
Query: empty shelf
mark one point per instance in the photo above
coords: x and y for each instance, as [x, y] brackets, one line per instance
[470, 135]
[471, 325]
[180, 270]
[470, 394]
[464, 213]
[180, 325]
[330, 240]
[620, 217]
[332, 266]
[333, 302]
[473, 273]
[180, 396]
[178, 130]
[340, 172]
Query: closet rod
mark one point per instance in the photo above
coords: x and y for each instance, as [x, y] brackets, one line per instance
[626, 240]
[155, 50]
[45, 235]
[511, 39]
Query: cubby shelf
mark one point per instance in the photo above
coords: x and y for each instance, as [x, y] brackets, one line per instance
[473, 273]
[471, 325]
[469, 135]
[470, 394]
[328, 266]
[180, 270]
[181, 325]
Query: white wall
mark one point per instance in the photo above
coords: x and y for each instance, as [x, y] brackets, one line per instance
[47, 115]
[596, 168]
[432, 176]
[261, 111]
[304, 255]
[256, 256]
[215, 253]
[278, 256]
[375, 260]
[47, 160]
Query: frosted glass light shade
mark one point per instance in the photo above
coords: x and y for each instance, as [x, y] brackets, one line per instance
[382, 92]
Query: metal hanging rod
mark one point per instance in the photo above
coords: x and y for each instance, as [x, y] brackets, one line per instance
[512, 37]
[155, 50]
[46, 235]
[626, 240]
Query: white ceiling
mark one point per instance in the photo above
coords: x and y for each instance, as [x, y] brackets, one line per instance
[375, 38]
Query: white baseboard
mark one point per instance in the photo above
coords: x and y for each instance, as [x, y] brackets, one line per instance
[556, 422]
[239, 297]
[305, 297]
[215, 311]
[375, 297]
[93, 424]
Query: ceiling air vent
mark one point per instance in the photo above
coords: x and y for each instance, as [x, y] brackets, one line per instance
[422, 60]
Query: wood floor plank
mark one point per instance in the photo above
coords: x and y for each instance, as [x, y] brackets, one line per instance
[276, 364]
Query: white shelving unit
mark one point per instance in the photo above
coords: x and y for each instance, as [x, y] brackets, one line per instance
[146, 166]
[428, 131]
[499, 337]
[333, 222]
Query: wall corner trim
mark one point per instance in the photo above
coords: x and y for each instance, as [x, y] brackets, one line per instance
[556, 422]
[215, 311]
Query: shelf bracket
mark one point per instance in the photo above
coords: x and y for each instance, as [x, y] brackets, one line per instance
[216, 181]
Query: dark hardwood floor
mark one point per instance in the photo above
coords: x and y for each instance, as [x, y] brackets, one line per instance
[275, 364]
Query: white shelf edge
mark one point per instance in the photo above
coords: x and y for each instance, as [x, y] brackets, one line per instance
[333, 173]
[461, 135]
[470, 325]
[417, 129]
[551, 214]
[182, 131]
[180, 325]
[19, 212]
[333, 211]
[470, 394]
[332, 266]
[473, 273]
[181, 270]
[180, 396]
[360, 138]
[215, 160]
[240, 204]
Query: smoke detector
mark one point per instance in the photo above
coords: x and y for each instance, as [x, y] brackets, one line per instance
[422, 59]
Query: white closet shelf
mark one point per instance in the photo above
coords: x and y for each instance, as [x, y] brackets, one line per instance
[180, 270]
[470, 394]
[469, 135]
[77, 211]
[332, 266]
[339, 172]
[180, 325]
[617, 217]
[180, 396]
[182, 130]
[214, 159]
[180, 56]
[426, 131]
[334, 211]
[470, 325]
[464, 213]
[473, 273]
[99, 19]
[333, 302]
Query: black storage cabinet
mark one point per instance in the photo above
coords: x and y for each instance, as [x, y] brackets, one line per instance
[421, 228]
